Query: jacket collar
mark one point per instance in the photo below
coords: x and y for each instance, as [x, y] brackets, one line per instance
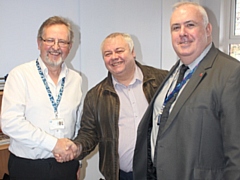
[147, 76]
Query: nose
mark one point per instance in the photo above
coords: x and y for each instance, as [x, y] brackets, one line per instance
[183, 31]
[114, 55]
[56, 45]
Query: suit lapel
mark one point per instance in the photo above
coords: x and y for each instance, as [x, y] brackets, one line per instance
[146, 120]
[190, 87]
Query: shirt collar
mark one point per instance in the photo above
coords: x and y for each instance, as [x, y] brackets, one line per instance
[138, 76]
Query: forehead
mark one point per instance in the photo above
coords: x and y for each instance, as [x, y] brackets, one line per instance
[56, 29]
[186, 13]
[114, 42]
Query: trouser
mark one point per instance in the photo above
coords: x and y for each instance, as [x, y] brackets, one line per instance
[41, 169]
[125, 175]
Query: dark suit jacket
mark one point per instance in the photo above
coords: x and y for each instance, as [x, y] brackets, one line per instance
[201, 138]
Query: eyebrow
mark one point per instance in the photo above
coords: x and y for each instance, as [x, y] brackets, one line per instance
[120, 48]
[190, 21]
[106, 51]
[186, 22]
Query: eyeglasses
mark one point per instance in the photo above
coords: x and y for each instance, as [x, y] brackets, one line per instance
[51, 42]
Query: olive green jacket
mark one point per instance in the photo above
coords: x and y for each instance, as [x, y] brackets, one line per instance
[99, 123]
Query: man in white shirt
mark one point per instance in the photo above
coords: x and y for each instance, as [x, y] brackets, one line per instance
[40, 108]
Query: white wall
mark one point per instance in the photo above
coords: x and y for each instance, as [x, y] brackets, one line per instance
[20, 21]
[136, 17]
[146, 20]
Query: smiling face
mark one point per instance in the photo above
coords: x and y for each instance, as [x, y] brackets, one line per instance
[54, 55]
[190, 35]
[118, 57]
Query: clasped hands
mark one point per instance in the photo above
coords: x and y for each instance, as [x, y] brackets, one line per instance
[66, 150]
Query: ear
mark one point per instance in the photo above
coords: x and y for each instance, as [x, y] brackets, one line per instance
[39, 42]
[70, 46]
[209, 29]
[133, 53]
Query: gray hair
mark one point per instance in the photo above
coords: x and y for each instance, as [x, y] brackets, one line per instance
[200, 8]
[126, 36]
[56, 20]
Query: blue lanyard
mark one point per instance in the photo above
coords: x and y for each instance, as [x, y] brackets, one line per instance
[179, 86]
[54, 104]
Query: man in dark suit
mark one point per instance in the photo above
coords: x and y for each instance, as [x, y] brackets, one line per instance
[192, 130]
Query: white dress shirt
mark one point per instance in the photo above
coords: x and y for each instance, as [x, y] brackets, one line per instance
[133, 104]
[27, 109]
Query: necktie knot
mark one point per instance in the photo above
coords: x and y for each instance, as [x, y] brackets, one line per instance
[183, 68]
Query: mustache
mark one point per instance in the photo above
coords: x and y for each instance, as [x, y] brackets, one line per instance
[55, 51]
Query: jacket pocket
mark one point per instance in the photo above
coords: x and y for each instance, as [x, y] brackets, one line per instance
[208, 174]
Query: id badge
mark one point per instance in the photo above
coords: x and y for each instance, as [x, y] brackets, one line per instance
[57, 123]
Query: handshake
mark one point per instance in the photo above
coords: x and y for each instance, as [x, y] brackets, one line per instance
[66, 150]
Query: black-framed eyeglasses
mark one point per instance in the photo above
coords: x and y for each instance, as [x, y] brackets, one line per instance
[51, 42]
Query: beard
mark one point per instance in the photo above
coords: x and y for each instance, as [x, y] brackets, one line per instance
[53, 63]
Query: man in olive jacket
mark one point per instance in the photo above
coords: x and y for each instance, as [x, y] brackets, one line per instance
[114, 107]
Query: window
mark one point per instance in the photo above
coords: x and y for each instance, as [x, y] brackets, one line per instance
[236, 17]
[234, 41]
